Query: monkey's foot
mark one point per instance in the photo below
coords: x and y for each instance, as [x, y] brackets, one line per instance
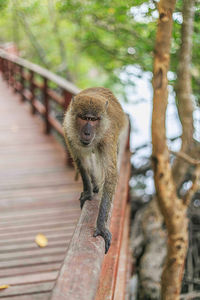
[105, 233]
[85, 196]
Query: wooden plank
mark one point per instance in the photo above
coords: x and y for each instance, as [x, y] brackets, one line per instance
[36, 251]
[29, 278]
[53, 235]
[30, 261]
[41, 296]
[28, 289]
[30, 245]
[36, 183]
[32, 233]
[21, 224]
[38, 211]
[23, 270]
[26, 203]
[42, 192]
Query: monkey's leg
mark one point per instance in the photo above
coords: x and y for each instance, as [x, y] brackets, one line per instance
[104, 209]
[101, 222]
[87, 187]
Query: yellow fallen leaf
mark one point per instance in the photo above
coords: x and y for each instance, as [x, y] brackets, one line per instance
[4, 286]
[41, 240]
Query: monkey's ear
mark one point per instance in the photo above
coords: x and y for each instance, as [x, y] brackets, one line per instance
[106, 105]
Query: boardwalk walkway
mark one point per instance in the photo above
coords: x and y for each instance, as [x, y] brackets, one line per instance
[38, 194]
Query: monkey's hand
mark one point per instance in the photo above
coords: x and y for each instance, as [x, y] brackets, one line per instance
[86, 195]
[105, 233]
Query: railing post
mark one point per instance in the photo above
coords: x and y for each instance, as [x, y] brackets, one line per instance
[1, 65]
[32, 90]
[11, 67]
[15, 77]
[6, 70]
[9, 73]
[22, 83]
[46, 104]
[67, 98]
[12, 74]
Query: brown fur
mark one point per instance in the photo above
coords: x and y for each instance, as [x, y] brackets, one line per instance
[97, 162]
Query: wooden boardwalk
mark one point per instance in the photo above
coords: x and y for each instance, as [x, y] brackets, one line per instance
[38, 194]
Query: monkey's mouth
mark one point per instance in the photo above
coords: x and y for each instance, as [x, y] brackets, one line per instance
[85, 143]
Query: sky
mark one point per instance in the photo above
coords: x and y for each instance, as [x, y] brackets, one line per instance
[139, 108]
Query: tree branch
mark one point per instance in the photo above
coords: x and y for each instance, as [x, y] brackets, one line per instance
[61, 45]
[172, 208]
[40, 51]
[186, 157]
[184, 91]
[195, 186]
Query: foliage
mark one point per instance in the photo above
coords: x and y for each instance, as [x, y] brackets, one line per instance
[100, 38]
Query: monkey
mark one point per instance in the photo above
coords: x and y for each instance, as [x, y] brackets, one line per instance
[93, 124]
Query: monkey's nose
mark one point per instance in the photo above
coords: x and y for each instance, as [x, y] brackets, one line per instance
[87, 130]
[87, 133]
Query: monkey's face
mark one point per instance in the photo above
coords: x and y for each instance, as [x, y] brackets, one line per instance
[89, 119]
[87, 125]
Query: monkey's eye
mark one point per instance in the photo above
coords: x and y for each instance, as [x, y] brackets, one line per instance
[82, 117]
[92, 119]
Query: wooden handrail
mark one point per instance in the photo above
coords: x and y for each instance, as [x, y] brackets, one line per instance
[33, 83]
[61, 82]
[81, 269]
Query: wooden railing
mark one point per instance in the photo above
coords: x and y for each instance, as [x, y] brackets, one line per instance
[85, 273]
[47, 93]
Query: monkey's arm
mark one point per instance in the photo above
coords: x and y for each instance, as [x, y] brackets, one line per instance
[87, 187]
[106, 200]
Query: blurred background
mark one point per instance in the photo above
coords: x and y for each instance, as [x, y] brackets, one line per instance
[111, 44]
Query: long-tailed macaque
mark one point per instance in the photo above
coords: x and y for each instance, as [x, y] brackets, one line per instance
[92, 127]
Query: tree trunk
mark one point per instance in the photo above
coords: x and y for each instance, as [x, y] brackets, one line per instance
[172, 208]
[149, 285]
[184, 90]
